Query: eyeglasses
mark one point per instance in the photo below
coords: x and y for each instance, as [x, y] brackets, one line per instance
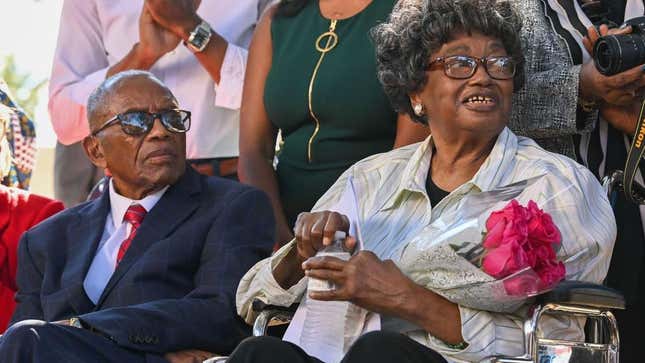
[137, 123]
[462, 66]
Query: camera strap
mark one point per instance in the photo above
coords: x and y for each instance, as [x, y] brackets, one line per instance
[634, 156]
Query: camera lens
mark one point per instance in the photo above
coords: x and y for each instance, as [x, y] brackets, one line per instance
[606, 55]
[617, 53]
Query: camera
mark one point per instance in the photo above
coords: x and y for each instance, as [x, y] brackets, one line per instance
[614, 54]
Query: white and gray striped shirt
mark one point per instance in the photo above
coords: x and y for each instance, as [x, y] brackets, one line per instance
[393, 206]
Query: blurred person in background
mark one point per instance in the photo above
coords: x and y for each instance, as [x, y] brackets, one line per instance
[19, 211]
[312, 76]
[20, 135]
[100, 38]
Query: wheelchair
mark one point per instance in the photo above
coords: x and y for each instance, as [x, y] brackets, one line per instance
[572, 299]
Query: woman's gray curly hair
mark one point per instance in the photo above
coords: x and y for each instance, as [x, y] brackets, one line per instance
[418, 28]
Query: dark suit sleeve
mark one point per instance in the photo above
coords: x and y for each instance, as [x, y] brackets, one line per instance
[29, 280]
[206, 318]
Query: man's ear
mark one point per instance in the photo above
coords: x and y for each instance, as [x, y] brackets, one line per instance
[94, 151]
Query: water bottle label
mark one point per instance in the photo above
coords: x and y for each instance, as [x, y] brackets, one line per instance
[324, 285]
[319, 285]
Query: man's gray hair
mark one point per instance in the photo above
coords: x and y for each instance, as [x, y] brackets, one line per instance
[99, 98]
[418, 28]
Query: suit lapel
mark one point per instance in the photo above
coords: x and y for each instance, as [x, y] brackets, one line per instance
[176, 205]
[84, 237]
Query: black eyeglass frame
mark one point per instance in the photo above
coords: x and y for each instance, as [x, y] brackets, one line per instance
[186, 120]
[473, 60]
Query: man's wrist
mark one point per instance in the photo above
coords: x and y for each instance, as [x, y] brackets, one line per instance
[144, 58]
[184, 30]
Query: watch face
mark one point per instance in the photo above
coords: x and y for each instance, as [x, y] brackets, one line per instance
[199, 37]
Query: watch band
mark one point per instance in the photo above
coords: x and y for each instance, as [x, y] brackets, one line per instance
[199, 37]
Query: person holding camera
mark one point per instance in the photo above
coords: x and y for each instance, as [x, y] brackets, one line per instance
[610, 91]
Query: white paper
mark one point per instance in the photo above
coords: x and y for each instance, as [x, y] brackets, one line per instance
[332, 346]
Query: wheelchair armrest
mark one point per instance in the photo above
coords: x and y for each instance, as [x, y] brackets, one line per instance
[584, 294]
[269, 314]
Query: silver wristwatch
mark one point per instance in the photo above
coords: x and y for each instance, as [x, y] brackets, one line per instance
[199, 37]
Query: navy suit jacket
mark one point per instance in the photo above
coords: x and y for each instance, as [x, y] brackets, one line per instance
[175, 287]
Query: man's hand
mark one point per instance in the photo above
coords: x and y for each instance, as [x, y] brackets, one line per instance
[623, 118]
[178, 16]
[365, 280]
[620, 89]
[154, 40]
[314, 231]
[188, 356]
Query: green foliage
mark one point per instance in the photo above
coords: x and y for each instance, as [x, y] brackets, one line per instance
[24, 92]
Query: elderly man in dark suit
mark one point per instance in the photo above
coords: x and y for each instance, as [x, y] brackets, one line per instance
[149, 268]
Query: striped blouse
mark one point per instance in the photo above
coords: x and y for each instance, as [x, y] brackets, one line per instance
[393, 207]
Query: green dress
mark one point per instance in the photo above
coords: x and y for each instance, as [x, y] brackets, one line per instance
[353, 113]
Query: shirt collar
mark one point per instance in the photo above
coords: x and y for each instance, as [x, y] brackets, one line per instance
[415, 173]
[119, 204]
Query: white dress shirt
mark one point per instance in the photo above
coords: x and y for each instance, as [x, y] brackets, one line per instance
[96, 34]
[393, 208]
[115, 232]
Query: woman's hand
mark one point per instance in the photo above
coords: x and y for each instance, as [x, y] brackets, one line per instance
[314, 231]
[381, 287]
[365, 280]
[619, 89]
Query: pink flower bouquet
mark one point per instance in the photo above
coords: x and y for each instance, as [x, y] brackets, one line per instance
[520, 247]
[493, 251]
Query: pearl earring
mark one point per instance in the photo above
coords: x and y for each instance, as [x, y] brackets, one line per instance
[418, 109]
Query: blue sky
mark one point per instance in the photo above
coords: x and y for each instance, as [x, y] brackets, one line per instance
[28, 30]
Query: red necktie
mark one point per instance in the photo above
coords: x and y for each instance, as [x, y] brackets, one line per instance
[134, 215]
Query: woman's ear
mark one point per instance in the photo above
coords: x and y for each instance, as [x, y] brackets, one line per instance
[94, 151]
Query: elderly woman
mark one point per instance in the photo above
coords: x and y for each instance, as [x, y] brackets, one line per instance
[453, 65]
[19, 211]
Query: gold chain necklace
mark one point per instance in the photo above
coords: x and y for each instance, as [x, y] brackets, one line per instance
[330, 38]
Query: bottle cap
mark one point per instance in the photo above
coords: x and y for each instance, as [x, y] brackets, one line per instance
[339, 235]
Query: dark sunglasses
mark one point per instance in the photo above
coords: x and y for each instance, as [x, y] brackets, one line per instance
[463, 66]
[137, 123]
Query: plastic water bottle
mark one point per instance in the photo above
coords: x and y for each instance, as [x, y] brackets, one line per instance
[324, 326]
[335, 249]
